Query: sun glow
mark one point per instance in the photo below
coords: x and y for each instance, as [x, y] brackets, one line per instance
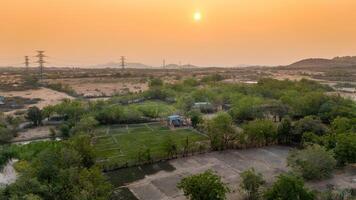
[197, 16]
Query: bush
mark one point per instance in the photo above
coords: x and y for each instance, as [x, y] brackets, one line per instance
[205, 186]
[5, 135]
[308, 124]
[260, 132]
[345, 150]
[34, 115]
[251, 182]
[284, 131]
[288, 187]
[314, 162]
[220, 131]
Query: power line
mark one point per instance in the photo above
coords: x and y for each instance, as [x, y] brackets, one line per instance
[123, 62]
[40, 55]
[27, 63]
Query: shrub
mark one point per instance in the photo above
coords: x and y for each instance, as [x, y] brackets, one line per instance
[345, 150]
[288, 187]
[314, 162]
[284, 131]
[205, 186]
[260, 132]
[251, 182]
[220, 131]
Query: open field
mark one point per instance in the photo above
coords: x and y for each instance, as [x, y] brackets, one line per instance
[45, 95]
[103, 86]
[121, 145]
[159, 181]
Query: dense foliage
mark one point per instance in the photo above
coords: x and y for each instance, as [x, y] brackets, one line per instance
[288, 187]
[64, 171]
[204, 186]
[313, 162]
[251, 182]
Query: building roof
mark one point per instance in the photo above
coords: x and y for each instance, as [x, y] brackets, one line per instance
[173, 117]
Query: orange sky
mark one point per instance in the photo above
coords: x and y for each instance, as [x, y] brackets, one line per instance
[231, 32]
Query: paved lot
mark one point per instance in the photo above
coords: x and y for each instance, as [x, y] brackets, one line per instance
[269, 160]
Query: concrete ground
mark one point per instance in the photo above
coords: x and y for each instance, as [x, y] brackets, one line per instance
[270, 161]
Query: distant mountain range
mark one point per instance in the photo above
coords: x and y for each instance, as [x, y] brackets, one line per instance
[346, 61]
[118, 65]
[140, 66]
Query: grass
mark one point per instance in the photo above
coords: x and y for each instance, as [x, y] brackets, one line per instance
[120, 145]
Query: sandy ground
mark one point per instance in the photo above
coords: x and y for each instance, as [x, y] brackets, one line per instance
[47, 96]
[103, 86]
[270, 161]
[8, 174]
[33, 133]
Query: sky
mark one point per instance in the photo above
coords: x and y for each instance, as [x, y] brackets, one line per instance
[229, 33]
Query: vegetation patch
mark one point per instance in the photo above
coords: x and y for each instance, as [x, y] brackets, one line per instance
[120, 146]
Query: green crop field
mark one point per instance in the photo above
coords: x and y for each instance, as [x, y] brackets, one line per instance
[118, 145]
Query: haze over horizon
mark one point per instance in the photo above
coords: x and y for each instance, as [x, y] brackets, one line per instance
[199, 32]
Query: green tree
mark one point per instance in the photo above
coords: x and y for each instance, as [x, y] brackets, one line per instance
[345, 150]
[246, 108]
[5, 134]
[155, 82]
[220, 131]
[204, 186]
[170, 147]
[341, 125]
[86, 124]
[284, 131]
[260, 132]
[195, 117]
[34, 114]
[313, 162]
[251, 182]
[308, 124]
[288, 187]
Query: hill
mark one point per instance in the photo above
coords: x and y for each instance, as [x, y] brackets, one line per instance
[347, 61]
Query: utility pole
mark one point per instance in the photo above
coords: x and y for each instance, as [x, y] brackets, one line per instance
[123, 62]
[164, 64]
[27, 63]
[40, 55]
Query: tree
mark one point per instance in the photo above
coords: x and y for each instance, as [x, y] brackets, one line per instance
[5, 134]
[308, 124]
[260, 132]
[204, 186]
[288, 187]
[34, 115]
[251, 182]
[86, 124]
[345, 150]
[155, 82]
[170, 147]
[314, 162]
[246, 108]
[195, 117]
[221, 131]
[341, 125]
[284, 131]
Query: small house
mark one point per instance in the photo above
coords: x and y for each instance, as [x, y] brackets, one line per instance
[175, 120]
[204, 107]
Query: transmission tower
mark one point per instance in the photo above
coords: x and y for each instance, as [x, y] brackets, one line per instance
[40, 55]
[27, 63]
[123, 62]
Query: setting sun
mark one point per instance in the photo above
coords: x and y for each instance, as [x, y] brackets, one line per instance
[197, 16]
